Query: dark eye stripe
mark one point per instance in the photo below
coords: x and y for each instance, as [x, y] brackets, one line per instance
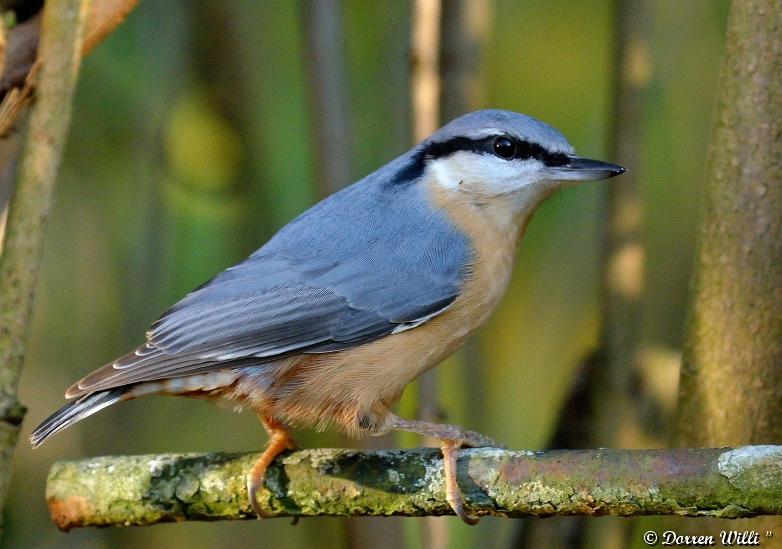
[524, 149]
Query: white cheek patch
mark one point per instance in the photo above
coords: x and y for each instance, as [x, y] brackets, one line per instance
[485, 173]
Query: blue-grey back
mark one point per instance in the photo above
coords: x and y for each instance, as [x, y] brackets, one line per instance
[370, 257]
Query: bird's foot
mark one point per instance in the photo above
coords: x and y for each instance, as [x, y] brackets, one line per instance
[453, 494]
[279, 441]
[452, 437]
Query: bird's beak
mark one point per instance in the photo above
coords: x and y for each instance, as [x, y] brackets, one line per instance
[584, 169]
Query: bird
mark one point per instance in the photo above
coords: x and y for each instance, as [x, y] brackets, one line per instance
[327, 323]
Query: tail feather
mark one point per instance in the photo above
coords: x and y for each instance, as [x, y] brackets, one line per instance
[76, 411]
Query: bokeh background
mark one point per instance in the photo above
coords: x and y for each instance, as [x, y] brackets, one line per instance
[192, 143]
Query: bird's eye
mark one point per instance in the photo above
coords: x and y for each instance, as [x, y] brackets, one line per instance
[504, 148]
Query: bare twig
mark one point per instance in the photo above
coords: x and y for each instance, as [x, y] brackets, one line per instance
[3, 45]
[103, 17]
[22, 46]
[18, 80]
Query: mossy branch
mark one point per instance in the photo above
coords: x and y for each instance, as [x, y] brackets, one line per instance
[143, 490]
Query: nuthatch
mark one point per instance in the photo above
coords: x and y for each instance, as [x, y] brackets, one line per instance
[329, 321]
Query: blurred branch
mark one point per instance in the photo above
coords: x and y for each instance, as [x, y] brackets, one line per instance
[465, 29]
[329, 93]
[425, 91]
[18, 79]
[425, 101]
[604, 382]
[102, 18]
[29, 209]
[143, 490]
[21, 47]
[332, 139]
[622, 254]
[3, 45]
[425, 68]
[615, 396]
[731, 381]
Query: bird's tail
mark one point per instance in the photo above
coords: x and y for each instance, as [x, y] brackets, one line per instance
[76, 411]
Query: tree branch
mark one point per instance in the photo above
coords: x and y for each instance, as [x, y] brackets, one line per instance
[734, 325]
[29, 209]
[143, 490]
[18, 78]
[102, 18]
[730, 389]
[329, 93]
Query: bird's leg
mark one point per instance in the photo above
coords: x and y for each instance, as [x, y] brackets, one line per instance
[453, 495]
[451, 437]
[280, 440]
[443, 431]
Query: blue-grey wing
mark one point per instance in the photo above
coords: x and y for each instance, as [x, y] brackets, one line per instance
[365, 262]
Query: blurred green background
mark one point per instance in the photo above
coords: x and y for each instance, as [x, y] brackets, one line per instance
[192, 144]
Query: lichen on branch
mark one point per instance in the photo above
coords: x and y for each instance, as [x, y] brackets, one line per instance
[149, 489]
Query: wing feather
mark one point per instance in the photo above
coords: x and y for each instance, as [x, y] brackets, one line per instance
[364, 263]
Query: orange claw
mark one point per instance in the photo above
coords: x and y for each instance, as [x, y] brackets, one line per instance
[280, 440]
[453, 495]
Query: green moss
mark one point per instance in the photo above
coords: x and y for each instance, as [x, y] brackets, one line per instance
[149, 489]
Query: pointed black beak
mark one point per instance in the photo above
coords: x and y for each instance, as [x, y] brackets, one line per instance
[584, 169]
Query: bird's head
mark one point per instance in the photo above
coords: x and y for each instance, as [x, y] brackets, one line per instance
[497, 153]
